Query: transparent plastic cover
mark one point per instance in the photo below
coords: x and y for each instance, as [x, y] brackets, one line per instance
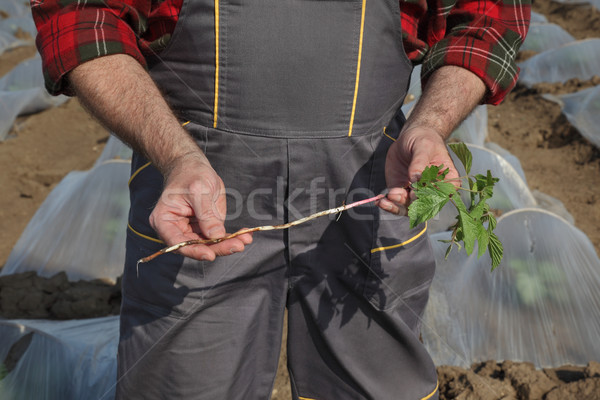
[541, 305]
[582, 109]
[578, 59]
[22, 92]
[80, 228]
[544, 36]
[58, 360]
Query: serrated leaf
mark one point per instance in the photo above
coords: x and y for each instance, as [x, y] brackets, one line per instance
[496, 250]
[446, 188]
[492, 222]
[464, 155]
[484, 186]
[483, 238]
[469, 230]
[478, 210]
[426, 207]
[460, 205]
[429, 174]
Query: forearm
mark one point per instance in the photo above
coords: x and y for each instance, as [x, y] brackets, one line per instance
[450, 95]
[120, 93]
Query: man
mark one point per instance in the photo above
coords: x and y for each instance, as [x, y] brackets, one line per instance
[293, 106]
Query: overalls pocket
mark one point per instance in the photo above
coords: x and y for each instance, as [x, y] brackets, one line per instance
[402, 264]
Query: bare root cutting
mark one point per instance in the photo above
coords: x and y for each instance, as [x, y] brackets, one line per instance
[335, 210]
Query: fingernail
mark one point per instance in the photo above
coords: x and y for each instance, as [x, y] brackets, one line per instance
[232, 250]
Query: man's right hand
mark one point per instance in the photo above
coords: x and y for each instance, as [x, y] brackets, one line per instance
[121, 94]
[193, 206]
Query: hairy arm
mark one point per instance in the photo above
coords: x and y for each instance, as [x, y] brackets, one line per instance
[119, 92]
[450, 95]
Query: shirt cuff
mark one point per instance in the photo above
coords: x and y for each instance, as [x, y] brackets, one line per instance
[491, 60]
[74, 37]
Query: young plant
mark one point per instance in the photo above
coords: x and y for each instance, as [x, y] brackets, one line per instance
[433, 191]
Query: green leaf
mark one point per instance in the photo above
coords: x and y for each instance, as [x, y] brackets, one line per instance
[432, 192]
[483, 238]
[496, 250]
[492, 222]
[429, 174]
[478, 210]
[428, 204]
[446, 188]
[464, 155]
[469, 229]
[484, 186]
[460, 206]
[448, 250]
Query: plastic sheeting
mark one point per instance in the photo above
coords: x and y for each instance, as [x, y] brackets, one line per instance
[544, 36]
[22, 92]
[594, 3]
[538, 18]
[473, 129]
[510, 193]
[9, 41]
[582, 109]
[80, 228]
[414, 90]
[17, 26]
[542, 304]
[509, 157]
[114, 149]
[67, 360]
[578, 59]
[15, 8]
[19, 21]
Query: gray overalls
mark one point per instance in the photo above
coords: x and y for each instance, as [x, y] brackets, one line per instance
[295, 103]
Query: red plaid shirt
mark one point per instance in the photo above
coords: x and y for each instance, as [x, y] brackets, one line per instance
[480, 35]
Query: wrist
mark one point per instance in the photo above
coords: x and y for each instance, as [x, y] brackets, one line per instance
[191, 158]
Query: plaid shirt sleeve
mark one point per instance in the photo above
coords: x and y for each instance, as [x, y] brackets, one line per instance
[480, 35]
[483, 36]
[71, 32]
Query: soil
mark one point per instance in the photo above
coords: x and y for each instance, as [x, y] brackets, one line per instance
[557, 160]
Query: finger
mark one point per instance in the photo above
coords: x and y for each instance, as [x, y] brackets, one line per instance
[391, 207]
[227, 247]
[173, 229]
[246, 238]
[209, 203]
[398, 196]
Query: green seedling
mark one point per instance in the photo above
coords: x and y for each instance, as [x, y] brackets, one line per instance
[433, 192]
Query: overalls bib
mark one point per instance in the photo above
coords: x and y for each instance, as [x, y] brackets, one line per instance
[295, 103]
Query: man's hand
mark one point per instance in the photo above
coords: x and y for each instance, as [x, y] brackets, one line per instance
[121, 94]
[414, 150]
[450, 95]
[193, 206]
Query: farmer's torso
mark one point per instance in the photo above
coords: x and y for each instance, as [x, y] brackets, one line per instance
[286, 68]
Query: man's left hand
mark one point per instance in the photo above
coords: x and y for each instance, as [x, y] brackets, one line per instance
[415, 149]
